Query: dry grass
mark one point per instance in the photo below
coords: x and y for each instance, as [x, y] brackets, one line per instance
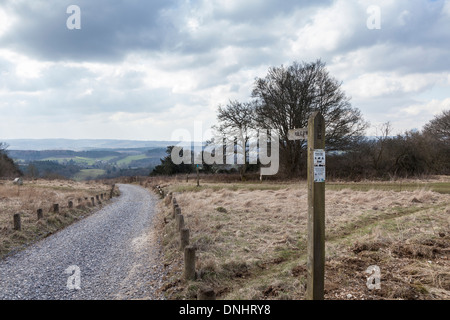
[42, 194]
[251, 242]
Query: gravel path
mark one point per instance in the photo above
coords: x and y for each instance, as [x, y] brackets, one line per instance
[114, 252]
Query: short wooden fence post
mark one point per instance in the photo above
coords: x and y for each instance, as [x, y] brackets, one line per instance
[184, 238]
[179, 219]
[17, 222]
[111, 193]
[40, 214]
[176, 210]
[189, 263]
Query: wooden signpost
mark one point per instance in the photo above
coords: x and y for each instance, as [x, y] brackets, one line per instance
[315, 134]
[316, 207]
[198, 177]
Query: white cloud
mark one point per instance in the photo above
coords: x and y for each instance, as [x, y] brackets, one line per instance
[6, 21]
[25, 67]
[446, 8]
[327, 29]
[433, 107]
[373, 85]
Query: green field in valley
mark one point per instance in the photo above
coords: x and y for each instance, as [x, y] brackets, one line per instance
[129, 159]
[80, 160]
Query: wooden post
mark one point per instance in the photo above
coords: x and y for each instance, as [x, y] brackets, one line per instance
[93, 201]
[56, 208]
[189, 263]
[40, 214]
[168, 200]
[198, 178]
[111, 194]
[17, 222]
[184, 238]
[179, 221]
[316, 207]
[176, 210]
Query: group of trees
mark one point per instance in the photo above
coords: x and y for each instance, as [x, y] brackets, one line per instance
[286, 97]
[413, 153]
[168, 167]
[50, 170]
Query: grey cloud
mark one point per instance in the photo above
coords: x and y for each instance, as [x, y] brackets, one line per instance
[414, 36]
[72, 104]
[259, 12]
[109, 29]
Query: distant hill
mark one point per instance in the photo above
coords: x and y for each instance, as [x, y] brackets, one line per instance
[84, 158]
[82, 144]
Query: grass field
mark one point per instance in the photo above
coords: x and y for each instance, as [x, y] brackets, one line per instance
[129, 159]
[251, 239]
[79, 160]
[42, 194]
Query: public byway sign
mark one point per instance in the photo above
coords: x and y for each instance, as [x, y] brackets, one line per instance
[298, 134]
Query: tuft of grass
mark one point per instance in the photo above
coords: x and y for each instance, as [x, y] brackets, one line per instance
[221, 209]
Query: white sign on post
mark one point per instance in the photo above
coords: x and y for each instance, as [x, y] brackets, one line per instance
[298, 134]
[319, 165]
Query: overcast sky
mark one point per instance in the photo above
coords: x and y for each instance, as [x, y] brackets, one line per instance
[140, 69]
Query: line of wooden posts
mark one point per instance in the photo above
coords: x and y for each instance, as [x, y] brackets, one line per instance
[204, 293]
[17, 218]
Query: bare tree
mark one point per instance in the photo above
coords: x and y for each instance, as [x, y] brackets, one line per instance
[379, 144]
[439, 127]
[235, 126]
[287, 96]
[437, 134]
